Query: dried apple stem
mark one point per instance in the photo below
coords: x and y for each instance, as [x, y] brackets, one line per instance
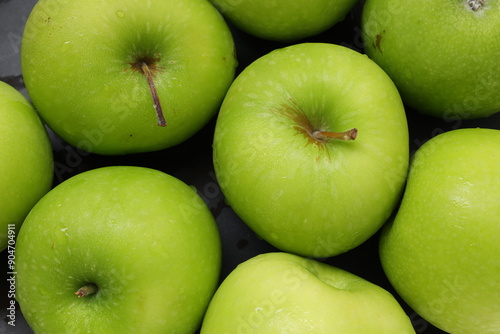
[325, 135]
[86, 290]
[154, 93]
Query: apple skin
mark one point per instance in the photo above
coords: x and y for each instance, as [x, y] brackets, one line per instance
[302, 195]
[284, 293]
[145, 238]
[77, 61]
[442, 56]
[26, 160]
[441, 253]
[284, 20]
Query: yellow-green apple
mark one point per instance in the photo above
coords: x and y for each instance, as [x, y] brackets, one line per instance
[276, 293]
[118, 77]
[284, 20]
[26, 161]
[118, 250]
[288, 155]
[442, 253]
[442, 55]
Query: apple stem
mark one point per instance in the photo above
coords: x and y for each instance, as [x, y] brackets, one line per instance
[476, 5]
[324, 135]
[156, 99]
[86, 290]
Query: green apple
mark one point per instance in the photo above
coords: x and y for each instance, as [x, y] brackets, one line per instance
[284, 154]
[26, 162]
[442, 253]
[277, 293]
[442, 55]
[126, 76]
[138, 246]
[284, 20]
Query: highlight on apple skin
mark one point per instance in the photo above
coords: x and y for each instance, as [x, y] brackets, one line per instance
[276, 293]
[118, 250]
[121, 77]
[311, 148]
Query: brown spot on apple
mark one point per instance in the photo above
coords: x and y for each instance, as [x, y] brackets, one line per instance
[378, 39]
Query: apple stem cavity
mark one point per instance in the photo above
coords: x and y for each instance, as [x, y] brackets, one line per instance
[476, 5]
[156, 100]
[325, 135]
[87, 289]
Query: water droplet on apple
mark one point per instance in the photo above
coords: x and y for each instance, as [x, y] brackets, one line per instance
[65, 230]
[68, 128]
[65, 47]
[120, 14]
[408, 74]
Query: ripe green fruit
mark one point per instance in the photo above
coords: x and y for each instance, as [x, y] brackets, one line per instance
[284, 154]
[442, 55]
[119, 77]
[26, 162]
[442, 253]
[284, 20]
[278, 293]
[139, 247]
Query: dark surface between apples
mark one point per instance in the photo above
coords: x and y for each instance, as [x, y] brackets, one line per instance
[192, 161]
